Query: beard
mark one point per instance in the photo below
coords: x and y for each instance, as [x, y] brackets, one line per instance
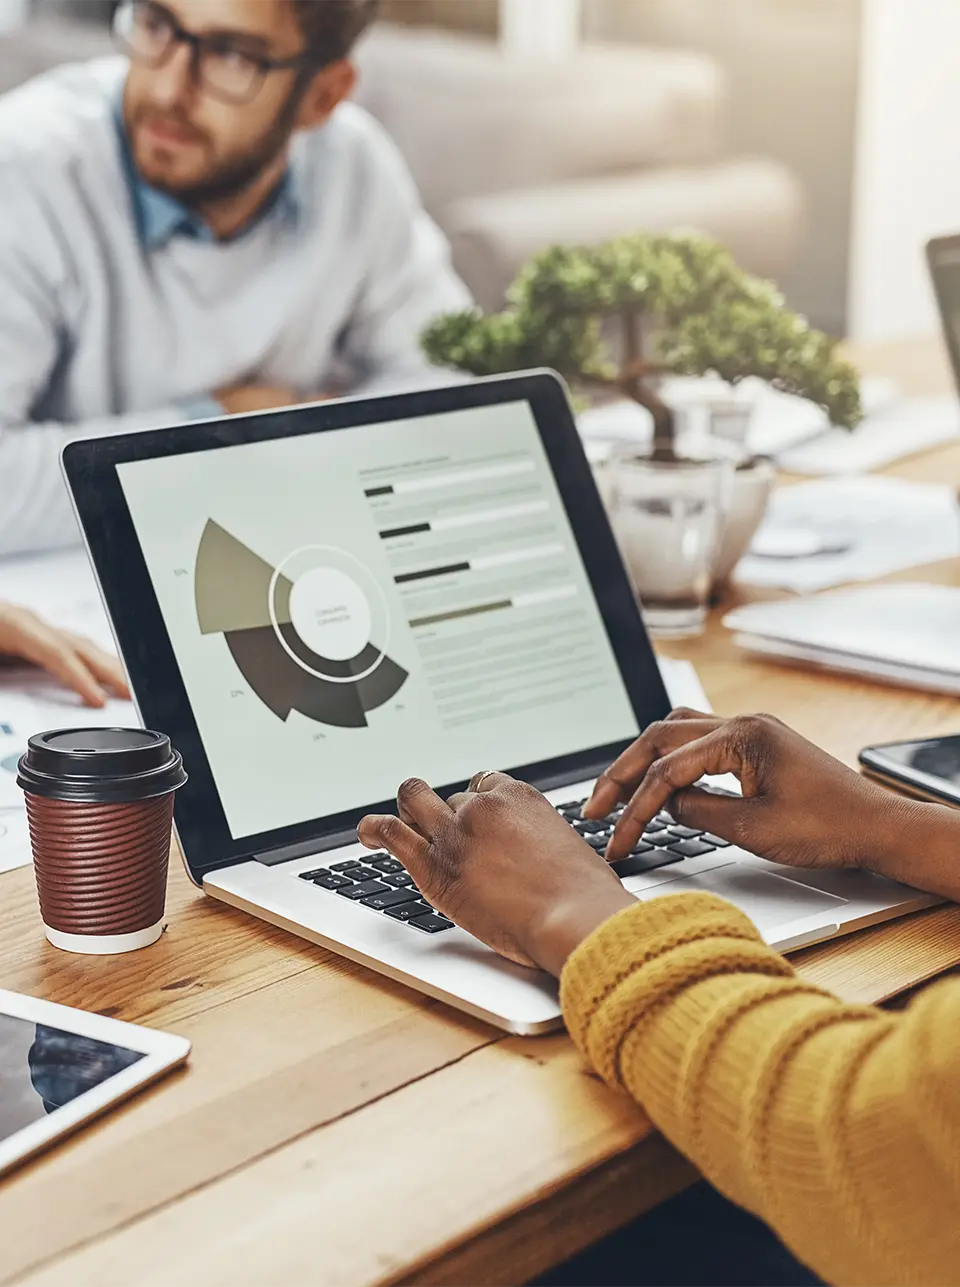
[225, 177]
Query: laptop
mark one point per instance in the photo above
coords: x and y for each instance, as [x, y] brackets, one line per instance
[316, 603]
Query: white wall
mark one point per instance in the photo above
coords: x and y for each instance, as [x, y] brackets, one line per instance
[12, 13]
[547, 30]
[907, 178]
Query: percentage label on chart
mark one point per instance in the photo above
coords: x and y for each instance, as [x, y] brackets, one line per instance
[179, 571]
[238, 692]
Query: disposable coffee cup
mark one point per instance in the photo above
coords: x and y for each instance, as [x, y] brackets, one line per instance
[100, 810]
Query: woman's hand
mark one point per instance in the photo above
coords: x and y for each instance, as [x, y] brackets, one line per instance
[799, 805]
[503, 864]
[75, 661]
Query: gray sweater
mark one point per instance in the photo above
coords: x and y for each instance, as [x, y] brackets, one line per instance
[104, 331]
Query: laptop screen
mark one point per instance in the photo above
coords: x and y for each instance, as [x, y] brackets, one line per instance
[351, 608]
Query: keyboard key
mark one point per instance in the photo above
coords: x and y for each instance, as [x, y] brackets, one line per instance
[637, 863]
[598, 842]
[362, 873]
[309, 875]
[363, 890]
[690, 848]
[588, 826]
[572, 806]
[407, 911]
[392, 898]
[717, 841]
[342, 866]
[387, 865]
[660, 838]
[685, 833]
[331, 880]
[655, 826]
[430, 923]
[399, 879]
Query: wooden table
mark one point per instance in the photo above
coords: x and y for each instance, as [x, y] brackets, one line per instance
[335, 1128]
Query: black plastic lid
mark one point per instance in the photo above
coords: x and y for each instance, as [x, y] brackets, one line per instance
[100, 765]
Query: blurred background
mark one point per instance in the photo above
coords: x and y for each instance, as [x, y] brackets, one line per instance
[814, 137]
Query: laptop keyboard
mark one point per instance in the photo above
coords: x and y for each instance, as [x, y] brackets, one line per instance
[383, 884]
[663, 841]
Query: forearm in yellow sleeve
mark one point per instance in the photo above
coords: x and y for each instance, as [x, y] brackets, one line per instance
[839, 1125]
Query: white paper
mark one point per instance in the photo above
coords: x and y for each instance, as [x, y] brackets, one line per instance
[904, 632]
[887, 672]
[887, 524]
[14, 839]
[683, 684]
[903, 428]
[11, 748]
[59, 586]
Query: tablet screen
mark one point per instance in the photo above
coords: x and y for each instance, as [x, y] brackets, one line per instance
[353, 607]
[42, 1068]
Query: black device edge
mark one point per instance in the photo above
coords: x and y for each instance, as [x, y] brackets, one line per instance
[951, 339]
[89, 466]
[922, 786]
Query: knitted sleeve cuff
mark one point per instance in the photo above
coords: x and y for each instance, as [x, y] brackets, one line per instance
[647, 954]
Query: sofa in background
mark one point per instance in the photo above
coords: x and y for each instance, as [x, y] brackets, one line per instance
[512, 155]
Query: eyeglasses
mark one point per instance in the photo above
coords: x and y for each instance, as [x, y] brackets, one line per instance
[222, 64]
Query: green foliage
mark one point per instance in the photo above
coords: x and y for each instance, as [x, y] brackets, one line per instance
[698, 310]
[514, 340]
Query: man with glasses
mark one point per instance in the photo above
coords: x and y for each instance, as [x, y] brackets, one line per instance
[204, 226]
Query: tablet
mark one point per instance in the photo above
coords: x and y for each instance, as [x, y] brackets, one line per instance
[60, 1067]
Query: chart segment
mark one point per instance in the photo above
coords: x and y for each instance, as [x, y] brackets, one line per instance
[308, 635]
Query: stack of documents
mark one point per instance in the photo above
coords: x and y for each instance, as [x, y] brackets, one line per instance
[904, 633]
[901, 428]
[840, 530]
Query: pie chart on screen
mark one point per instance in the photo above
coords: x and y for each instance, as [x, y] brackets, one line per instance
[309, 634]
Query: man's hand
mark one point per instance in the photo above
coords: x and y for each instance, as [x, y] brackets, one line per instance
[502, 864]
[255, 397]
[799, 805]
[77, 662]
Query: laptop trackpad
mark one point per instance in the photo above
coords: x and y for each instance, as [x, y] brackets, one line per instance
[768, 900]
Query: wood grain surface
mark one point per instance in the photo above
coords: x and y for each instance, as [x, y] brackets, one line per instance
[335, 1128]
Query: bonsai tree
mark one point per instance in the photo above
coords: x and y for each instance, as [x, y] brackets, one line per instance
[680, 305]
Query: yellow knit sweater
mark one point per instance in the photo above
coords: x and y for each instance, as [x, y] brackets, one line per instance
[838, 1125]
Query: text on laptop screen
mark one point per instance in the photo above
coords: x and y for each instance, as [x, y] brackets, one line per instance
[353, 607]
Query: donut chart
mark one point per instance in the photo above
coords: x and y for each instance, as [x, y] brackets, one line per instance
[309, 635]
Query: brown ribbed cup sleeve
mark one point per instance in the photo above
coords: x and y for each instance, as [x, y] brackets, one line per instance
[101, 869]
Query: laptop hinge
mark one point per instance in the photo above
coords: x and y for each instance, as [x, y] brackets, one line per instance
[551, 782]
[338, 839]
[319, 845]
